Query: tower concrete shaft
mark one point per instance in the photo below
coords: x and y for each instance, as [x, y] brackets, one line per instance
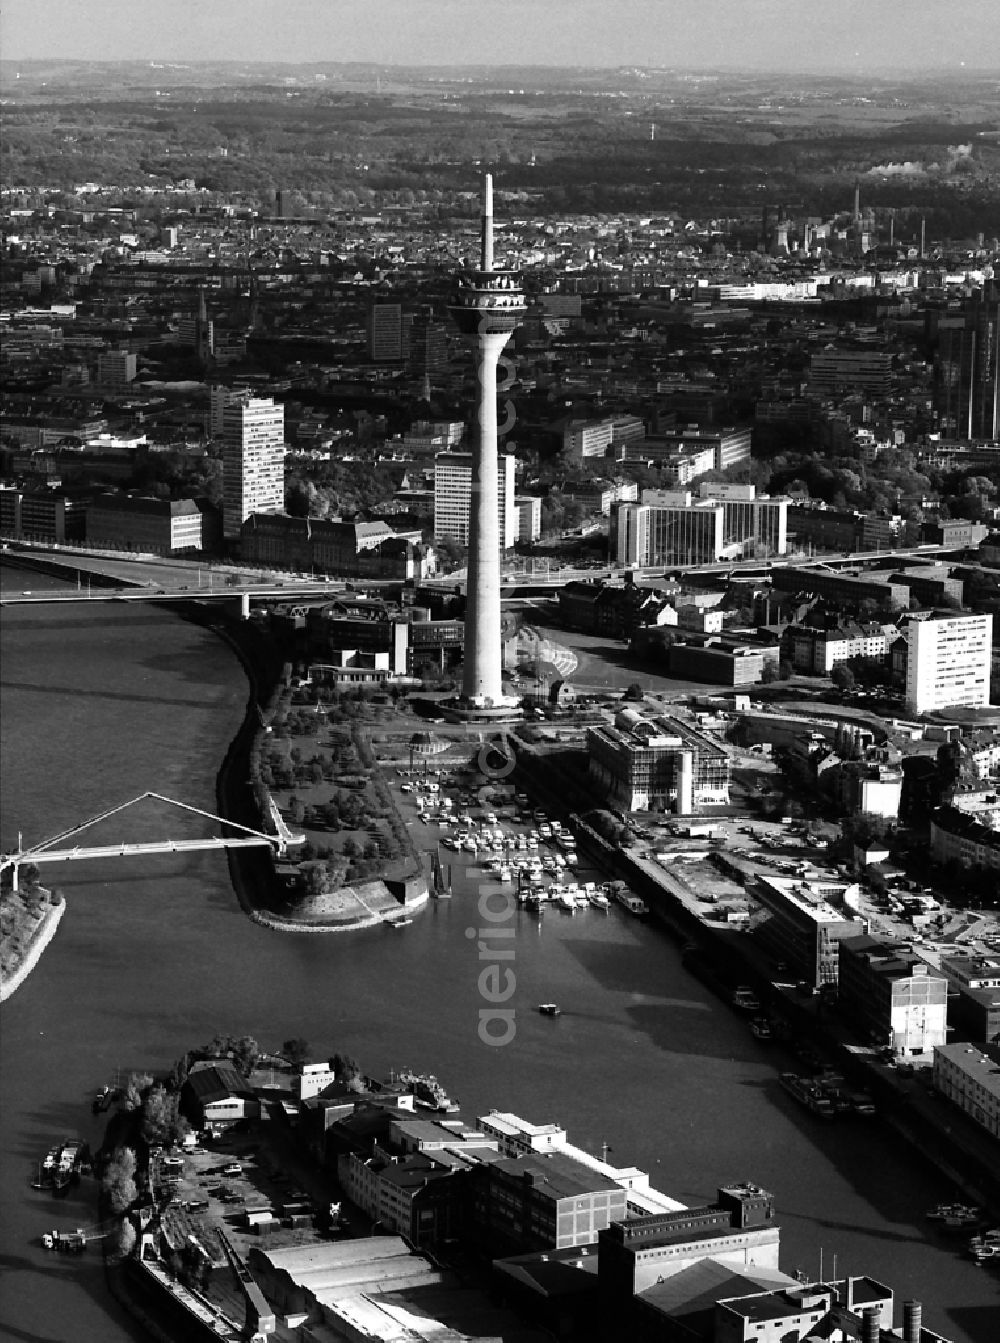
[481, 682]
[489, 306]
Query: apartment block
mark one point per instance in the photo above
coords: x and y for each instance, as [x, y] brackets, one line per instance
[948, 662]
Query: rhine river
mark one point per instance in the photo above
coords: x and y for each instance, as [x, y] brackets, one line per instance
[103, 702]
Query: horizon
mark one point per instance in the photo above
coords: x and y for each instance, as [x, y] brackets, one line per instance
[863, 38]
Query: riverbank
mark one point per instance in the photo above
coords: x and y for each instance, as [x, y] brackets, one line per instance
[21, 945]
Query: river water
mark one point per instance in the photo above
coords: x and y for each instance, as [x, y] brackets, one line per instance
[104, 702]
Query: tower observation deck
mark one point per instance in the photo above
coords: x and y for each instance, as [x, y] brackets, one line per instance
[488, 306]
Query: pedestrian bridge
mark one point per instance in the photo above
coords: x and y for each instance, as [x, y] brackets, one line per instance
[55, 850]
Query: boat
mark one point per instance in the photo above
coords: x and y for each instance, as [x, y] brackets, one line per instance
[954, 1215]
[745, 999]
[807, 1094]
[398, 923]
[567, 901]
[862, 1103]
[631, 902]
[599, 900]
[66, 1242]
[985, 1246]
[72, 1155]
[760, 1028]
[428, 1092]
[550, 1009]
[104, 1099]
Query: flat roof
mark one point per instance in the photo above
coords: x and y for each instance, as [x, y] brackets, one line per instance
[561, 1175]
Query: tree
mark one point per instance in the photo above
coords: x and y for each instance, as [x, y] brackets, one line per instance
[296, 1051]
[135, 1090]
[635, 692]
[842, 677]
[162, 1124]
[246, 1052]
[118, 1181]
[124, 1239]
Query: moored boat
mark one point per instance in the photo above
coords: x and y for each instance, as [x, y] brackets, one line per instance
[807, 1094]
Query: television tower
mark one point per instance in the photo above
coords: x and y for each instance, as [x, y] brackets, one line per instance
[488, 307]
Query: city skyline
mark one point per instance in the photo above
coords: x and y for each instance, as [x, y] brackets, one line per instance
[770, 36]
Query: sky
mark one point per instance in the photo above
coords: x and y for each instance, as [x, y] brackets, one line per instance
[845, 36]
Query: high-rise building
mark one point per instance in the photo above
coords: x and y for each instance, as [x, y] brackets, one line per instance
[968, 370]
[253, 460]
[489, 306]
[453, 498]
[948, 662]
[385, 333]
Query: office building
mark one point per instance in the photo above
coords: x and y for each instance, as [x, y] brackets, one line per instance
[669, 529]
[948, 662]
[253, 461]
[596, 438]
[453, 498]
[833, 371]
[651, 764]
[40, 515]
[154, 526]
[894, 999]
[975, 1005]
[801, 926]
[757, 525]
[116, 368]
[969, 1077]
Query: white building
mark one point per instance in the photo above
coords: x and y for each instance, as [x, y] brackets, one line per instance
[253, 461]
[453, 496]
[529, 517]
[948, 662]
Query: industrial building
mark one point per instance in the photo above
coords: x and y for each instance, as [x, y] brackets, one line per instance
[893, 997]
